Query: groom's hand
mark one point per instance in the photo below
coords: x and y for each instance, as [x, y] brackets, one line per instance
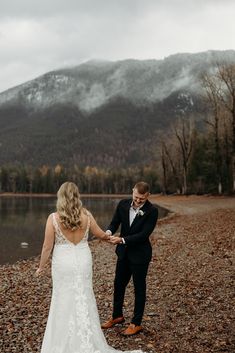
[115, 240]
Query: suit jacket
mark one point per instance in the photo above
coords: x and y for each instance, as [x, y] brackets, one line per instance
[137, 246]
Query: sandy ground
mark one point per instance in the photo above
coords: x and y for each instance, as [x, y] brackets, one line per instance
[194, 204]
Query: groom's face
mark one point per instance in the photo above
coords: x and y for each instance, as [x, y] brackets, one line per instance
[139, 199]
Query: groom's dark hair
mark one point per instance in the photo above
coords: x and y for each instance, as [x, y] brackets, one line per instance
[142, 187]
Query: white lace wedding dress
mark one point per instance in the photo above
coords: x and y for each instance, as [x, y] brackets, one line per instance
[73, 324]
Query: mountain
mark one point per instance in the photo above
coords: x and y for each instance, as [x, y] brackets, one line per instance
[102, 113]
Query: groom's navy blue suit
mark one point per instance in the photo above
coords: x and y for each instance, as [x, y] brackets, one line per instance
[133, 256]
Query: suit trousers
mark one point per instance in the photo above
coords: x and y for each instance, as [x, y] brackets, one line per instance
[124, 271]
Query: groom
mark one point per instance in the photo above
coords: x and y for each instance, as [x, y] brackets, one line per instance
[138, 218]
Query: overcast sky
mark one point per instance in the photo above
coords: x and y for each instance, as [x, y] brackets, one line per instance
[39, 36]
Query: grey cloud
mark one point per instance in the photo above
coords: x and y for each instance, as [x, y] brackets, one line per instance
[38, 36]
[45, 8]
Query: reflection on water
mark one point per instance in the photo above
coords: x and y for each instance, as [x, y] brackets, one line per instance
[23, 220]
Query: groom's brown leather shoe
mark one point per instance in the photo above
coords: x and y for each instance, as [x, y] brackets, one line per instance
[111, 322]
[132, 329]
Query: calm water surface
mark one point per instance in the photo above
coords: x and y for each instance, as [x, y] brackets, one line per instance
[23, 221]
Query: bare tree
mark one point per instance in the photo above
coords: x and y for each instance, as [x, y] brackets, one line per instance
[164, 167]
[171, 161]
[212, 89]
[226, 77]
[184, 132]
[226, 146]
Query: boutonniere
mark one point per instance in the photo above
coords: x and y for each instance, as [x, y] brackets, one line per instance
[140, 213]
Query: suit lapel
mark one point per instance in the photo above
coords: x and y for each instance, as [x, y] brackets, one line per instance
[127, 213]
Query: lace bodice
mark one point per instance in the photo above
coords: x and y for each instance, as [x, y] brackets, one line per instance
[61, 239]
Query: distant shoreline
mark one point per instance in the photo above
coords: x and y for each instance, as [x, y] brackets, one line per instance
[175, 204]
[26, 194]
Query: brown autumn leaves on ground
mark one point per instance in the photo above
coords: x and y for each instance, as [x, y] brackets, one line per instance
[190, 298]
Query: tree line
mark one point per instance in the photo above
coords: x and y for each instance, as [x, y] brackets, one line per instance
[203, 161]
[89, 179]
[190, 158]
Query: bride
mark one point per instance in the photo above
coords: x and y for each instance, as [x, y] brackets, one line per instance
[73, 324]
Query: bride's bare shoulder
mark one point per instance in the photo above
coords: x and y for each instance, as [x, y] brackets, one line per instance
[86, 212]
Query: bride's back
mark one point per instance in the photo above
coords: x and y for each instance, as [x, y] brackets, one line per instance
[76, 235]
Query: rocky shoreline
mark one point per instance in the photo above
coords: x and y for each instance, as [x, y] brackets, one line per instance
[190, 298]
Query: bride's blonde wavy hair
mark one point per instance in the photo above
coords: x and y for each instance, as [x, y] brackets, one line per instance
[69, 205]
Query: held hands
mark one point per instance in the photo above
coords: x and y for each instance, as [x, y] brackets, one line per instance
[115, 240]
[112, 239]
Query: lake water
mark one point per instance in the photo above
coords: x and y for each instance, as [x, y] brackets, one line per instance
[23, 221]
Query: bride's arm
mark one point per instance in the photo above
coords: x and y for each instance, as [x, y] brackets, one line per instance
[97, 231]
[47, 245]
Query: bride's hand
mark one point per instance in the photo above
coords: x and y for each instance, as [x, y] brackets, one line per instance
[38, 272]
